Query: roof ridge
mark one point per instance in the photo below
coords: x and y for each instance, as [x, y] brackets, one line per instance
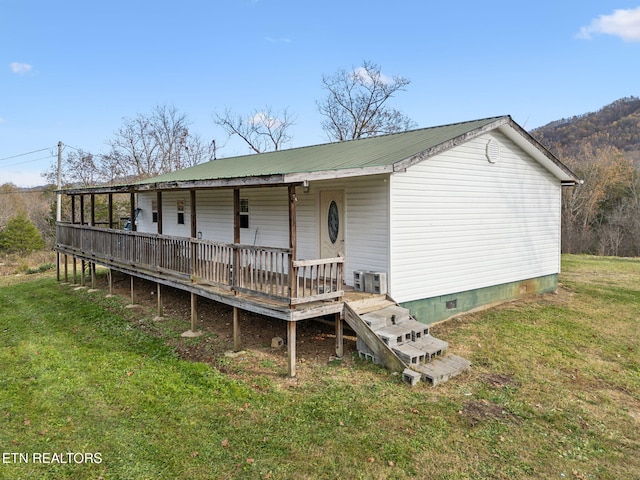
[382, 135]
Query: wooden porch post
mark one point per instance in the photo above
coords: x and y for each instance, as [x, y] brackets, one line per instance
[194, 230]
[133, 291]
[110, 208]
[339, 336]
[291, 348]
[92, 209]
[81, 209]
[159, 202]
[291, 326]
[83, 265]
[73, 209]
[92, 222]
[160, 254]
[75, 273]
[293, 200]
[236, 239]
[132, 213]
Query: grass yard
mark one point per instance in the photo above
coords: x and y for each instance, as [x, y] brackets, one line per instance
[92, 390]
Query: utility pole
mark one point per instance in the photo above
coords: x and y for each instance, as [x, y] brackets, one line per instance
[59, 185]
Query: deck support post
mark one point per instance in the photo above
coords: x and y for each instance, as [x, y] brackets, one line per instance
[75, 272]
[133, 290]
[291, 349]
[58, 266]
[66, 269]
[194, 318]
[237, 344]
[83, 265]
[339, 336]
[194, 311]
[160, 306]
[110, 281]
[92, 268]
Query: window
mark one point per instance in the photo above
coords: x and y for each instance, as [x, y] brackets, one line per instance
[154, 211]
[244, 213]
[180, 212]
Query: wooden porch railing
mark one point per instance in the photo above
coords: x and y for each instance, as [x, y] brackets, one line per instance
[255, 270]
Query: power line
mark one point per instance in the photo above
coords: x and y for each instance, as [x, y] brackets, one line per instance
[25, 154]
[29, 161]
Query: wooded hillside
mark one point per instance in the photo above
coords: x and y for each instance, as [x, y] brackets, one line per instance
[602, 216]
[616, 125]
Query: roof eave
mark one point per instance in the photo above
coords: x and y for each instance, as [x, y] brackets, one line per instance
[533, 147]
[449, 144]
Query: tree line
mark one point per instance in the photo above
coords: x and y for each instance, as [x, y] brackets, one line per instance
[357, 105]
[601, 216]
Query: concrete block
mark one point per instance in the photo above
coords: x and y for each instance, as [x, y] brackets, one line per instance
[418, 330]
[395, 314]
[432, 346]
[277, 342]
[394, 335]
[411, 377]
[410, 354]
[375, 320]
[359, 280]
[375, 282]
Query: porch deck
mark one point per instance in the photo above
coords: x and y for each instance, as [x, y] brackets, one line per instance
[258, 279]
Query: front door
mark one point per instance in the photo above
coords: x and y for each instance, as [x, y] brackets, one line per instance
[331, 223]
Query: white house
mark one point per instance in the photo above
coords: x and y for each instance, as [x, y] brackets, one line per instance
[455, 217]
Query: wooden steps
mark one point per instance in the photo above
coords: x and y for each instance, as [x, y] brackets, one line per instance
[388, 335]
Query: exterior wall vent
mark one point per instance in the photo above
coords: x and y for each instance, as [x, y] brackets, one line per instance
[493, 151]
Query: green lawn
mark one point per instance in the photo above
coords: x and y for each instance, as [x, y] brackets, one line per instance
[554, 392]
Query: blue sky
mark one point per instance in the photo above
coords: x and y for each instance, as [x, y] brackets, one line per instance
[72, 70]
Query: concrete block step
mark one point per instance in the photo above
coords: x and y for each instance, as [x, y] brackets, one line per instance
[409, 354]
[432, 346]
[442, 369]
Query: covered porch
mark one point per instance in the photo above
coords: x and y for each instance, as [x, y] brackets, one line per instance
[266, 280]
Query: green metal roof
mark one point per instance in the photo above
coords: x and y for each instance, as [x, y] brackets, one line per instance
[373, 155]
[380, 151]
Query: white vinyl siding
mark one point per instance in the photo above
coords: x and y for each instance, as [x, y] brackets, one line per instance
[365, 222]
[459, 222]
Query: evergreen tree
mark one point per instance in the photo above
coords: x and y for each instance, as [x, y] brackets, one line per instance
[20, 236]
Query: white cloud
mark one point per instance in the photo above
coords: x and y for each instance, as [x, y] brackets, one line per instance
[20, 68]
[278, 40]
[2, 120]
[621, 23]
[263, 118]
[365, 76]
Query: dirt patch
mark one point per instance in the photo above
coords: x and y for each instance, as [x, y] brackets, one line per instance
[480, 411]
[315, 338]
[498, 380]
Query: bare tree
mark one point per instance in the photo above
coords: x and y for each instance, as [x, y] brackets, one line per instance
[357, 103]
[78, 168]
[607, 176]
[263, 130]
[149, 145]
